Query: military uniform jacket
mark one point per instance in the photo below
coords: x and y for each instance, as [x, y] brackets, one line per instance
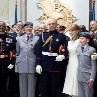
[25, 54]
[15, 37]
[7, 44]
[47, 62]
[86, 66]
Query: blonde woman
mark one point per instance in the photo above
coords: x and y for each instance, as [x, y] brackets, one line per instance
[71, 84]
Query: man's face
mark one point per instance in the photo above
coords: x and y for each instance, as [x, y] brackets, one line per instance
[93, 26]
[19, 25]
[14, 28]
[42, 28]
[52, 24]
[2, 27]
[84, 41]
[28, 29]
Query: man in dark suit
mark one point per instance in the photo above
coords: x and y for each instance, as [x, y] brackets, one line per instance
[47, 64]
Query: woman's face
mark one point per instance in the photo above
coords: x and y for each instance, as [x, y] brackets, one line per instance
[74, 33]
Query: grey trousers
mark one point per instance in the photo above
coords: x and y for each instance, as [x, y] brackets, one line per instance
[27, 83]
[84, 90]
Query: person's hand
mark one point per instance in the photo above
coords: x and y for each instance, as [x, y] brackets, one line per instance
[60, 58]
[90, 83]
[10, 66]
[94, 56]
[63, 50]
[38, 69]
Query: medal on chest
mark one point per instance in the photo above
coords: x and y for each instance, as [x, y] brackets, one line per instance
[8, 40]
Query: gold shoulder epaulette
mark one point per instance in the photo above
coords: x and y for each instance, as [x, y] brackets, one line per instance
[47, 41]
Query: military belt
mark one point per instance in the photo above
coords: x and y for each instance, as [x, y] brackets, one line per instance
[3, 56]
[49, 53]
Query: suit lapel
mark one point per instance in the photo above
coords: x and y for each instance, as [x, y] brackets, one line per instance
[24, 38]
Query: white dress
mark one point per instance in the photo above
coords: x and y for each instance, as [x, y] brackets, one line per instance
[71, 84]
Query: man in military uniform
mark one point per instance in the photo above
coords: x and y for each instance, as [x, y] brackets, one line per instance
[14, 77]
[6, 45]
[48, 64]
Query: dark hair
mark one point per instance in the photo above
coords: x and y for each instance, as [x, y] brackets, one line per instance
[28, 23]
[62, 28]
[13, 25]
[82, 28]
[8, 28]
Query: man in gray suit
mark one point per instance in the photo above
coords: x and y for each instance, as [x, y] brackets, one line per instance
[25, 61]
[86, 66]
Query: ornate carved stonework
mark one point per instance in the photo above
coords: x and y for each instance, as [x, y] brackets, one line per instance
[54, 9]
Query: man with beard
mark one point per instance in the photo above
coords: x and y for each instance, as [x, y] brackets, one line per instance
[6, 45]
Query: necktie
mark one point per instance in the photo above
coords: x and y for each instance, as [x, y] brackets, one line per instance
[82, 48]
[27, 38]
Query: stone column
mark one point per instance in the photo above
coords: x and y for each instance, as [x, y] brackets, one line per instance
[23, 10]
[95, 9]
